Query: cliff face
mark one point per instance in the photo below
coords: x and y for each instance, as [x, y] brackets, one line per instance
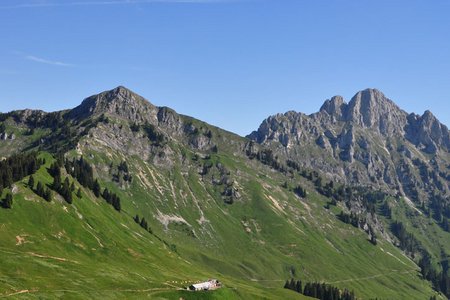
[368, 141]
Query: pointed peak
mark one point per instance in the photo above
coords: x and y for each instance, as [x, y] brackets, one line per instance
[371, 108]
[428, 115]
[370, 96]
[119, 101]
[334, 105]
[371, 90]
[120, 90]
[121, 87]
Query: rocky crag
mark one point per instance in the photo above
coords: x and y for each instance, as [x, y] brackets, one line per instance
[367, 141]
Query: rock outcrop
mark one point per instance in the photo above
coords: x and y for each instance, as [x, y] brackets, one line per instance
[370, 141]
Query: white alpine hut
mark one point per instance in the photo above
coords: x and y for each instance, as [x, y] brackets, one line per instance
[204, 286]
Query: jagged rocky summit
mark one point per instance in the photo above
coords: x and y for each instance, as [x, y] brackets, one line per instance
[368, 140]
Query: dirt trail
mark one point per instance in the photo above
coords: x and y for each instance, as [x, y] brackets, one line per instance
[267, 280]
[52, 257]
[17, 293]
[374, 276]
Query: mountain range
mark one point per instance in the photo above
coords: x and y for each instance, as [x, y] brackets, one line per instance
[118, 198]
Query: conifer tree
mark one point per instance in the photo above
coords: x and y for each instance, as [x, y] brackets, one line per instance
[96, 188]
[106, 195]
[136, 219]
[31, 182]
[7, 179]
[40, 189]
[8, 201]
[292, 284]
[47, 195]
[144, 224]
[56, 185]
[116, 203]
[66, 192]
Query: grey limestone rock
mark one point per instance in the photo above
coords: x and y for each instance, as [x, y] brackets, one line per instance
[370, 140]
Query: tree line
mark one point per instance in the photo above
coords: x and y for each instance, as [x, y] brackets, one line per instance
[15, 168]
[18, 166]
[41, 190]
[143, 223]
[266, 157]
[83, 172]
[319, 290]
[408, 242]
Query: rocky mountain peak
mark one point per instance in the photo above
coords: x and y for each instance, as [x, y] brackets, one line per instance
[386, 143]
[370, 108]
[119, 101]
[429, 117]
[427, 132]
[334, 106]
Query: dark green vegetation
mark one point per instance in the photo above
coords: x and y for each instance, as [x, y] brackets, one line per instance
[129, 200]
[319, 290]
[16, 167]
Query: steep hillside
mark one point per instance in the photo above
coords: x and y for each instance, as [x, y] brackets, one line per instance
[371, 143]
[215, 205]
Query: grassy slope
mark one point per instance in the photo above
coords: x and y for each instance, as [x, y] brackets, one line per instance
[425, 229]
[284, 234]
[88, 250]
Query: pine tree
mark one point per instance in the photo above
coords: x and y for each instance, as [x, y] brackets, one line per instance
[31, 182]
[96, 188]
[56, 185]
[79, 193]
[116, 203]
[106, 195]
[144, 224]
[292, 284]
[8, 178]
[136, 219]
[40, 189]
[66, 192]
[8, 201]
[298, 286]
[47, 195]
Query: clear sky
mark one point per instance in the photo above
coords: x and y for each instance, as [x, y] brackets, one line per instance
[230, 63]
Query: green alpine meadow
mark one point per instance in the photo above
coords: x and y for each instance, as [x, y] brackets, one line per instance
[120, 199]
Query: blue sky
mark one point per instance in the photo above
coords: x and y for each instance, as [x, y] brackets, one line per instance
[230, 63]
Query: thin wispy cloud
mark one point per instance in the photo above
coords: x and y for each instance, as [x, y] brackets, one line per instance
[106, 2]
[47, 61]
